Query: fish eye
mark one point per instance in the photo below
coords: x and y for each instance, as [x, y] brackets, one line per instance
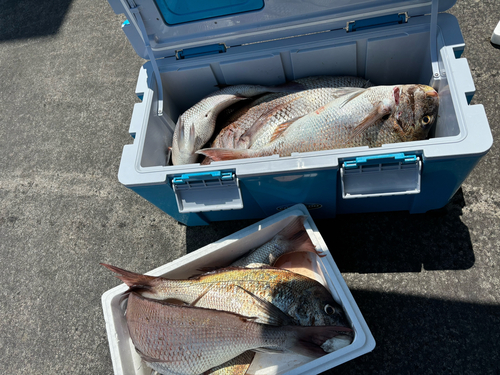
[426, 120]
[329, 309]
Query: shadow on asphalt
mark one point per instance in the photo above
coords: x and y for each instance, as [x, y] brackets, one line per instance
[399, 241]
[418, 335]
[21, 19]
[379, 242]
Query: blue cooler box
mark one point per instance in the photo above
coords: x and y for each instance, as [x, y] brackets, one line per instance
[193, 46]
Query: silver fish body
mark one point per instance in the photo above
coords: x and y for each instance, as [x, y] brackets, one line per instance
[293, 237]
[372, 117]
[185, 340]
[255, 123]
[271, 295]
[196, 125]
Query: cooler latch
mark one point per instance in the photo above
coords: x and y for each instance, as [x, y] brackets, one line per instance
[381, 175]
[207, 191]
[391, 19]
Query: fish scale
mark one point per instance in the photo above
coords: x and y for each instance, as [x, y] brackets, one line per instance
[376, 116]
[318, 91]
[196, 125]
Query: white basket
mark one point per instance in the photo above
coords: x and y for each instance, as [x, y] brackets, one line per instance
[127, 362]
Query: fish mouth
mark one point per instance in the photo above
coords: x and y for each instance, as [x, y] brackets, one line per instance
[429, 91]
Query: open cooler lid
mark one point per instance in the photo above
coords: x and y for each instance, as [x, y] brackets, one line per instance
[165, 28]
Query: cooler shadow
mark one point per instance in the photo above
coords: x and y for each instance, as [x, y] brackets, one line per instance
[21, 19]
[399, 241]
[418, 335]
[197, 237]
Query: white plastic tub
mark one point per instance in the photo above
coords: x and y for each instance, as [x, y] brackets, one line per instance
[127, 362]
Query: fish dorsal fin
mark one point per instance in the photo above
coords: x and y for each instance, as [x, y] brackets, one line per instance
[231, 268]
[251, 133]
[280, 129]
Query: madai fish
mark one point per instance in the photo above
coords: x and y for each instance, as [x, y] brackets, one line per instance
[254, 123]
[270, 295]
[195, 126]
[187, 340]
[292, 238]
[371, 117]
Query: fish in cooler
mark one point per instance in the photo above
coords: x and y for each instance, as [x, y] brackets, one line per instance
[254, 123]
[196, 125]
[371, 117]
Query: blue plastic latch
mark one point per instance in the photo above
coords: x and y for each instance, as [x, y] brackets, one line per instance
[200, 51]
[203, 176]
[380, 159]
[391, 19]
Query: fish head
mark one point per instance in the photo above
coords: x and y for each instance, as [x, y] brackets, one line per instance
[415, 112]
[318, 308]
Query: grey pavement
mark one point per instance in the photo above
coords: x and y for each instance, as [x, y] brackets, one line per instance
[427, 285]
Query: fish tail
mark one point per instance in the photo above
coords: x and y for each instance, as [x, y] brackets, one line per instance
[135, 281]
[309, 339]
[218, 154]
[296, 235]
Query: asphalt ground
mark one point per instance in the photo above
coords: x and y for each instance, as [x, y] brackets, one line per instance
[426, 284]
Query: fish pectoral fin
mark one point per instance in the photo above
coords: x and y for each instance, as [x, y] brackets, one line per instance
[218, 154]
[384, 108]
[251, 133]
[275, 315]
[186, 144]
[203, 294]
[268, 350]
[295, 233]
[169, 155]
[352, 95]
[280, 129]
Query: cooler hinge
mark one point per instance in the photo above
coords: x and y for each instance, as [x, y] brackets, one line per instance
[140, 23]
[207, 191]
[200, 51]
[391, 19]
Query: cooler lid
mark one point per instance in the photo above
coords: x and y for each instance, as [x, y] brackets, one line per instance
[174, 25]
